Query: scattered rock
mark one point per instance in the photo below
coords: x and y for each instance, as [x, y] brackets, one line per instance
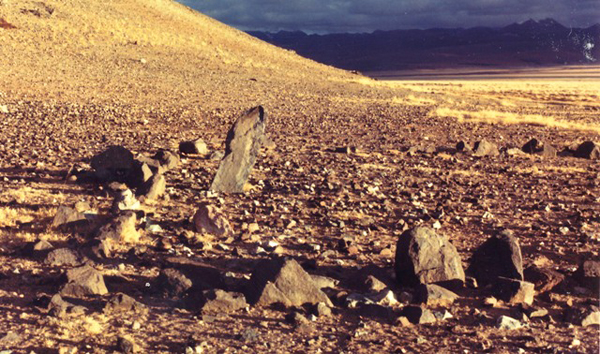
[195, 147]
[219, 301]
[249, 335]
[422, 256]
[418, 315]
[588, 150]
[514, 291]
[583, 316]
[500, 255]
[126, 345]
[544, 279]
[168, 160]
[121, 229]
[322, 310]
[154, 188]
[121, 303]
[374, 284]
[508, 323]
[84, 281]
[534, 146]
[242, 147]
[42, 245]
[217, 155]
[296, 318]
[588, 274]
[434, 295]
[485, 148]
[68, 217]
[283, 281]
[125, 200]
[323, 282]
[462, 146]
[63, 257]
[173, 283]
[9, 339]
[210, 219]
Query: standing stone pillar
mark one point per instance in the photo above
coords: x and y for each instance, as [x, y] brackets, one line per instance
[242, 146]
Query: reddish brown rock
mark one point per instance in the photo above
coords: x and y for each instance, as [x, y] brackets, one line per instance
[283, 281]
[210, 219]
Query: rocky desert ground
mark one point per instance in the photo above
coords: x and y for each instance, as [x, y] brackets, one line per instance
[379, 216]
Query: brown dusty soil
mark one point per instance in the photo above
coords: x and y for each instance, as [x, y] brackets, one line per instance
[74, 82]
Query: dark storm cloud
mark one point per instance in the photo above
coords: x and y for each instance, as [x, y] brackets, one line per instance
[369, 15]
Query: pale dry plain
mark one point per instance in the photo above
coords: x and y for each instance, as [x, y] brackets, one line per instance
[78, 76]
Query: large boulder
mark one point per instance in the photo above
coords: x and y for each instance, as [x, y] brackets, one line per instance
[498, 256]
[422, 256]
[242, 146]
[84, 281]
[116, 163]
[283, 281]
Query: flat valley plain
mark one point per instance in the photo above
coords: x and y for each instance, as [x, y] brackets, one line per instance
[306, 193]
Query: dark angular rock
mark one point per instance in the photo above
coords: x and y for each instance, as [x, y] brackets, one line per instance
[588, 274]
[116, 163]
[544, 279]
[154, 188]
[434, 295]
[196, 147]
[173, 283]
[217, 301]
[462, 146]
[500, 255]
[63, 257]
[283, 281]
[126, 345]
[514, 291]
[242, 147]
[531, 147]
[583, 316]
[84, 281]
[68, 218]
[534, 146]
[422, 256]
[418, 314]
[485, 148]
[121, 303]
[168, 160]
[588, 150]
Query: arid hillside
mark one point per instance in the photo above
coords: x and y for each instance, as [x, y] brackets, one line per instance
[115, 118]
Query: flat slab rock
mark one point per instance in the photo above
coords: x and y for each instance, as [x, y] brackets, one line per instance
[423, 256]
[241, 149]
[283, 281]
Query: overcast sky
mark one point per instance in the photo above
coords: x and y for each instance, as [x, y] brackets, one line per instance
[369, 15]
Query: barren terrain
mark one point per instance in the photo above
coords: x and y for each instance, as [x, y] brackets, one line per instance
[79, 76]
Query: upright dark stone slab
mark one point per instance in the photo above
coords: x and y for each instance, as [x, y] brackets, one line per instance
[498, 256]
[242, 146]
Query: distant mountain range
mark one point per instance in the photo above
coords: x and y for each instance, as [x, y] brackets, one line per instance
[531, 43]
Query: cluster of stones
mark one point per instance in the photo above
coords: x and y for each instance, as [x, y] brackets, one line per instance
[429, 274]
